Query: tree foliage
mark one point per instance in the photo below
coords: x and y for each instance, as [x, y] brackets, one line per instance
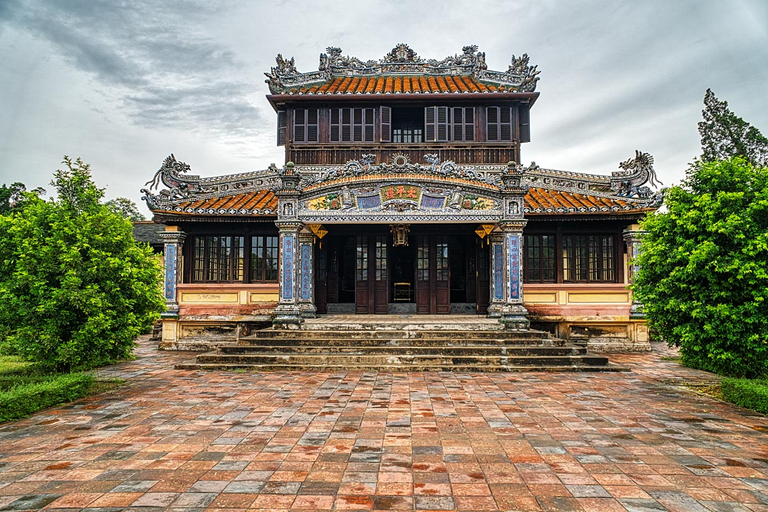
[125, 208]
[12, 197]
[725, 135]
[75, 288]
[703, 276]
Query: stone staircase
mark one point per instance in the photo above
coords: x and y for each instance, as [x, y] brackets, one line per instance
[393, 348]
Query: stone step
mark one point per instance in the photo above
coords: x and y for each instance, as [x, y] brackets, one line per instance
[389, 348]
[333, 341]
[397, 334]
[397, 368]
[417, 360]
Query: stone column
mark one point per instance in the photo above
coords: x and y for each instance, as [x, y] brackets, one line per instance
[287, 312]
[633, 238]
[174, 241]
[513, 313]
[307, 273]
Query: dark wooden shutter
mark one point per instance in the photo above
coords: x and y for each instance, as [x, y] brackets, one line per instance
[457, 124]
[385, 124]
[368, 125]
[313, 131]
[492, 124]
[430, 129]
[525, 124]
[281, 124]
[442, 124]
[346, 125]
[300, 125]
[335, 134]
[469, 124]
[505, 124]
[357, 125]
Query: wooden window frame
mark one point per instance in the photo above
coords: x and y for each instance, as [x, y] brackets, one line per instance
[538, 262]
[202, 275]
[270, 251]
[495, 124]
[305, 130]
[595, 273]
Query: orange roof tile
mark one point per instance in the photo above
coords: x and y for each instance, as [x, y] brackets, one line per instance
[395, 84]
[540, 201]
[261, 203]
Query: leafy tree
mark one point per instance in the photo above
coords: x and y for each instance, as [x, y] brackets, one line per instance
[125, 208]
[724, 134]
[12, 197]
[703, 276]
[75, 288]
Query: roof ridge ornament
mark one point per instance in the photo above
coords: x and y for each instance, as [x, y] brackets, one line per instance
[635, 173]
[403, 60]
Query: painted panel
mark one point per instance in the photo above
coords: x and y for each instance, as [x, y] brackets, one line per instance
[288, 267]
[306, 271]
[408, 192]
[498, 272]
[368, 202]
[171, 251]
[210, 298]
[541, 298]
[598, 298]
[513, 242]
[432, 202]
[257, 298]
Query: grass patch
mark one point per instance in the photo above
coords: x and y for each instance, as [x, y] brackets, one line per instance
[749, 393]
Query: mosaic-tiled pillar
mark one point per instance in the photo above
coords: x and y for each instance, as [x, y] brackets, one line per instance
[287, 312]
[512, 312]
[633, 238]
[496, 245]
[307, 275]
[173, 243]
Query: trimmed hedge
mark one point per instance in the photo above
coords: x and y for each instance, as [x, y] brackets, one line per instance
[26, 398]
[749, 393]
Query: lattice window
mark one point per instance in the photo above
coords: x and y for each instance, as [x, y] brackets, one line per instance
[589, 258]
[361, 260]
[540, 259]
[422, 259]
[219, 259]
[442, 265]
[264, 259]
[381, 258]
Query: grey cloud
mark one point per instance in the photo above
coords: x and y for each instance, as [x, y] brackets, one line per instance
[162, 72]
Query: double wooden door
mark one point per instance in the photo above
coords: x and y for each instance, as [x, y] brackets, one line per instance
[371, 275]
[433, 275]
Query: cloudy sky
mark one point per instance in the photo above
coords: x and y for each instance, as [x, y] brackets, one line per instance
[122, 84]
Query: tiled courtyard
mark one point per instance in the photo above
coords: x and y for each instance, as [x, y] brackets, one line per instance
[185, 440]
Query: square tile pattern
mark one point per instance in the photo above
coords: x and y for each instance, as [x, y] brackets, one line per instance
[192, 441]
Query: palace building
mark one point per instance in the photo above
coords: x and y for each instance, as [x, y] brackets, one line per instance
[404, 193]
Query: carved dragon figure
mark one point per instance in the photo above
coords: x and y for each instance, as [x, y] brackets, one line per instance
[529, 74]
[635, 173]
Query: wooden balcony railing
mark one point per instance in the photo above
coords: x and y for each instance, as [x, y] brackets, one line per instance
[323, 154]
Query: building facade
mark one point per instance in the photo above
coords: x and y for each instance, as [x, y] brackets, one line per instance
[403, 192]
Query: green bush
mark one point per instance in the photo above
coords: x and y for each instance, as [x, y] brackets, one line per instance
[752, 394]
[75, 288]
[703, 276]
[25, 398]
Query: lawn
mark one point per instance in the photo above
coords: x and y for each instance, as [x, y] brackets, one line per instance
[25, 388]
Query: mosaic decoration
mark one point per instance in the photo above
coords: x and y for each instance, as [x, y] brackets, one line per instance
[284, 78]
[288, 270]
[498, 272]
[327, 202]
[513, 242]
[368, 202]
[473, 202]
[432, 202]
[171, 252]
[306, 272]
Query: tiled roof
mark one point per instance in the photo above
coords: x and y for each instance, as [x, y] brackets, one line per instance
[400, 85]
[259, 203]
[538, 202]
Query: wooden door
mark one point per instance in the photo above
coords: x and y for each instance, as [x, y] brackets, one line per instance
[483, 276]
[363, 295]
[433, 275]
[331, 248]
